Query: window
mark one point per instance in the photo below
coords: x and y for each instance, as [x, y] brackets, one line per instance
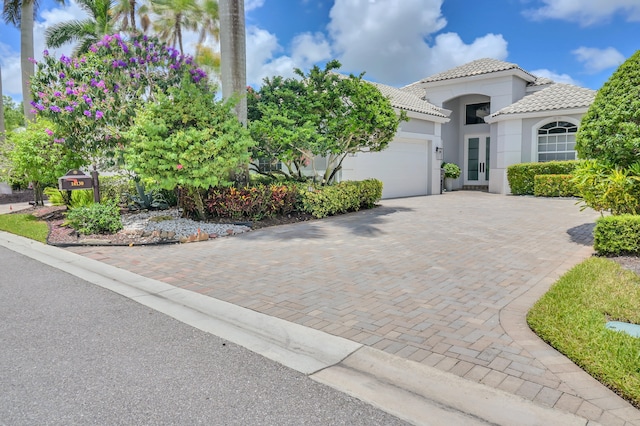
[477, 112]
[557, 141]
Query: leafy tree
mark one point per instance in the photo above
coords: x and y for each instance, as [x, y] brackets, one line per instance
[610, 130]
[124, 13]
[95, 98]
[87, 31]
[609, 136]
[322, 114]
[172, 17]
[13, 115]
[188, 139]
[35, 157]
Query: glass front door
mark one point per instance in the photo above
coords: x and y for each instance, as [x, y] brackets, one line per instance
[476, 162]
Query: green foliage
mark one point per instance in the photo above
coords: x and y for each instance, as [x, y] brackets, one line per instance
[33, 156]
[94, 98]
[521, 176]
[114, 189]
[572, 317]
[13, 114]
[616, 235]
[25, 225]
[254, 202]
[72, 199]
[321, 114]
[610, 130]
[189, 140]
[451, 170]
[98, 218]
[554, 186]
[608, 188]
[322, 201]
[146, 200]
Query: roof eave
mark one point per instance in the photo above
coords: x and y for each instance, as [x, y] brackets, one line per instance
[517, 72]
[535, 114]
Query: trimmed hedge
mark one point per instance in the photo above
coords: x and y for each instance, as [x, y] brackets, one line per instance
[615, 235]
[343, 197]
[254, 202]
[521, 176]
[554, 186]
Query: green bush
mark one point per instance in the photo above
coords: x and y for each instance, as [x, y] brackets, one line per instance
[451, 170]
[554, 186]
[98, 218]
[521, 176]
[615, 235]
[605, 187]
[114, 189]
[340, 198]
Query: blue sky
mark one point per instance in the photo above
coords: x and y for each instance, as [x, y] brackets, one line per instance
[401, 41]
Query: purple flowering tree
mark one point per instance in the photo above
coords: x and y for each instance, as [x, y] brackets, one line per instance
[94, 99]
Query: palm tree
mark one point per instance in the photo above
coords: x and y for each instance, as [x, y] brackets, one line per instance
[1, 110]
[87, 31]
[20, 13]
[172, 17]
[233, 51]
[125, 13]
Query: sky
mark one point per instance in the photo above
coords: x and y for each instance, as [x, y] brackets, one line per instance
[397, 42]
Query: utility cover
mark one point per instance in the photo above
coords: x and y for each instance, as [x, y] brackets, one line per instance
[631, 329]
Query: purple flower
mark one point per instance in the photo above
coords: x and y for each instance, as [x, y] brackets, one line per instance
[54, 108]
[65, 60]
[49, 132]
[62, 75]
[61, 140]
[40, 107]
[99, 114]
[87, 113]
[57, 94]
[69, 91]
[69, 108]
[45, 53]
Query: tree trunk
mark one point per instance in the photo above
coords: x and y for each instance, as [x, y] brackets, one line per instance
[2, 126]
[26, 52]
[233, 52]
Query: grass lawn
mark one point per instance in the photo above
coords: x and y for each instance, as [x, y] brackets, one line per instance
[571, 317]
[25, 225]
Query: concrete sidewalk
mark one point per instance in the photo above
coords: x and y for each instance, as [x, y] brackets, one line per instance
[440, 283]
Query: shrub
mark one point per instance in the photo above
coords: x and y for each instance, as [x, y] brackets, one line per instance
[606, 187]
[340, 198]
[610, 130]
[554, 186]
[451, 170]
[72, 199]
[114, 189]
[615, 235]
[98, 218]
[521, 176]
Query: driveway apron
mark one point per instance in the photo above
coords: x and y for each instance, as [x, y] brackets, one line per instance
[443, 280]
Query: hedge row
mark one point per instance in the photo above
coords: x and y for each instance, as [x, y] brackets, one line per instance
[616, 235]
[554, 186]
[259, 201]
[521, 177]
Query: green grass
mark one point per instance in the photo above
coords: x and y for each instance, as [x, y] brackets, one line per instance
[571, 317]
[25, 225]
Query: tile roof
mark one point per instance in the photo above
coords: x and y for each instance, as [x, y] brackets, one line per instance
[477, 67]
[541, 81]
[409, 101]
[555, 97]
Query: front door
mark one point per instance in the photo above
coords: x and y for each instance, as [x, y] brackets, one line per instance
[476, 162]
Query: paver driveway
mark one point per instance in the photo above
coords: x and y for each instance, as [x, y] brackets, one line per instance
[443, 280]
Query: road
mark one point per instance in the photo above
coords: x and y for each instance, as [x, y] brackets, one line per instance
[74, 353]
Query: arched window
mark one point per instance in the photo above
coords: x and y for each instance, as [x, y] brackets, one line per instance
[557, 141]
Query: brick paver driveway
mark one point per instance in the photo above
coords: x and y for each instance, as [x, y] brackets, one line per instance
[443, 280]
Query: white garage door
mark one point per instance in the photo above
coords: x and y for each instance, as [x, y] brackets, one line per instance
[402, 168]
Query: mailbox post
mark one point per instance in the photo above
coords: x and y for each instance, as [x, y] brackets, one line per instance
[76, 179]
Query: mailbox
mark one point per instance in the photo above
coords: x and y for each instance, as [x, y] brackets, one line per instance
[75, 179]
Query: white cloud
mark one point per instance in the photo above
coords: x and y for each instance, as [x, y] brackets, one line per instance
[586, 12]
[252, 4]
[558, 78]
[596, 60]
[388, 39]
[307, 49]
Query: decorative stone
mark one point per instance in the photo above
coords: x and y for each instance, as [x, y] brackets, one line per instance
[229, 231]
[213, 235]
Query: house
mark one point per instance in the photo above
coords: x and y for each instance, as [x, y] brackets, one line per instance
[484, 116]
